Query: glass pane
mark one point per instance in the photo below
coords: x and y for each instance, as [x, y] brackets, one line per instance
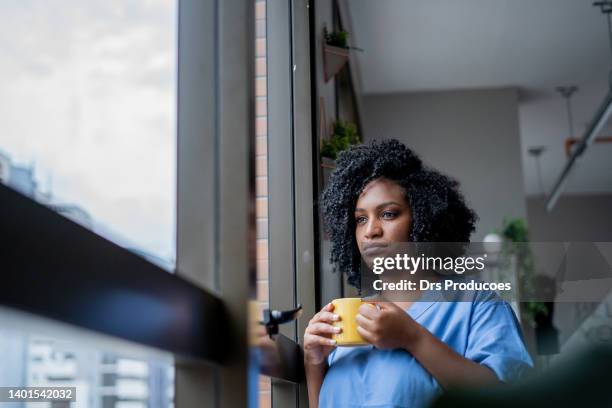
[88, 115]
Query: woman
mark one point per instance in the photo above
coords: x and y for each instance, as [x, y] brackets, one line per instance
[381, 194]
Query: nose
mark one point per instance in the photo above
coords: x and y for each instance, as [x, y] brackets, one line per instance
[373, 229]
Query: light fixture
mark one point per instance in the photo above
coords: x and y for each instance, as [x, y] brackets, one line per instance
[493, 243]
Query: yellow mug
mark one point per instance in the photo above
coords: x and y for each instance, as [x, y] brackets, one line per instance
[347, 309]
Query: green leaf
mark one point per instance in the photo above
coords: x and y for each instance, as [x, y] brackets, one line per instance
[344, 134]
[337, 38]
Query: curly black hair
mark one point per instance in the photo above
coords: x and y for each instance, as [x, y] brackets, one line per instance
[439, 212]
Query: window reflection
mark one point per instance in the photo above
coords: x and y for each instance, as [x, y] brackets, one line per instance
[102, 379]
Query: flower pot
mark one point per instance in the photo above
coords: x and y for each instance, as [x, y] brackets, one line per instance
[334, 59]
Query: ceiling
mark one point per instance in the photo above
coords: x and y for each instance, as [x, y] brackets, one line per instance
[534, 45]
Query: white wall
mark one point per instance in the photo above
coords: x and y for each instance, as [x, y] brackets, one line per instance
[472, 136]
[575, 218]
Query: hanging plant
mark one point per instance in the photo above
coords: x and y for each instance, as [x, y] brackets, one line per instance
[344, 134]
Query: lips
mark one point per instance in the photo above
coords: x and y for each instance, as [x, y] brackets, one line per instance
[374, 249]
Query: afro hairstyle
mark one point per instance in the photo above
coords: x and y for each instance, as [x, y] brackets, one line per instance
[439, 211]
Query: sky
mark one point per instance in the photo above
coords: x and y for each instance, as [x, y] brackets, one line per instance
[89, 98]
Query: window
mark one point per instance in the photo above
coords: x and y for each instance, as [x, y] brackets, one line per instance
[55, 269]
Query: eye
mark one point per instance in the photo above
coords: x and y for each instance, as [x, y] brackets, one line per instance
[360, 220]
[389, 215]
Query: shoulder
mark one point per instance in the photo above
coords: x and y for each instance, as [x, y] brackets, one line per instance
[474, 306]
[472, 299]
[487, 303]
[481, 296]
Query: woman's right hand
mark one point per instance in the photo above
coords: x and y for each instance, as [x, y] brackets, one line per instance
[317, 337]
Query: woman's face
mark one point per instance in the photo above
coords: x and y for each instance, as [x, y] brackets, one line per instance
[382, 217]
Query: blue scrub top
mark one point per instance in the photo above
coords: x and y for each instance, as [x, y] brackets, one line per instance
[484, 330]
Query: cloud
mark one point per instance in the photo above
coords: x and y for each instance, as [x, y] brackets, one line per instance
[89, 97]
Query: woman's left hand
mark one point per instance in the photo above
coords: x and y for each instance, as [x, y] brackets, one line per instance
[388, 326]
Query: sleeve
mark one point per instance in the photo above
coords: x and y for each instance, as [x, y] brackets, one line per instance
[495, 340]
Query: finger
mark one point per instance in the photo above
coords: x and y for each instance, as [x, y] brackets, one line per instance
[364, 322]
[323, 328]
[312, 340]
[328, 317]
[367, 336]
[368, 310]
[326, 309]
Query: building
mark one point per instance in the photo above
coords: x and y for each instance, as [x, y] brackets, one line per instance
[102, 379]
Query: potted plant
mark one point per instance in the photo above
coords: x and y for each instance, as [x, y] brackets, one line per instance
[344, 134]
[335, 52]
[515, 231]
[336, 38]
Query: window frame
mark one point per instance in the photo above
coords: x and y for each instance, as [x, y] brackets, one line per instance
[292, 256]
